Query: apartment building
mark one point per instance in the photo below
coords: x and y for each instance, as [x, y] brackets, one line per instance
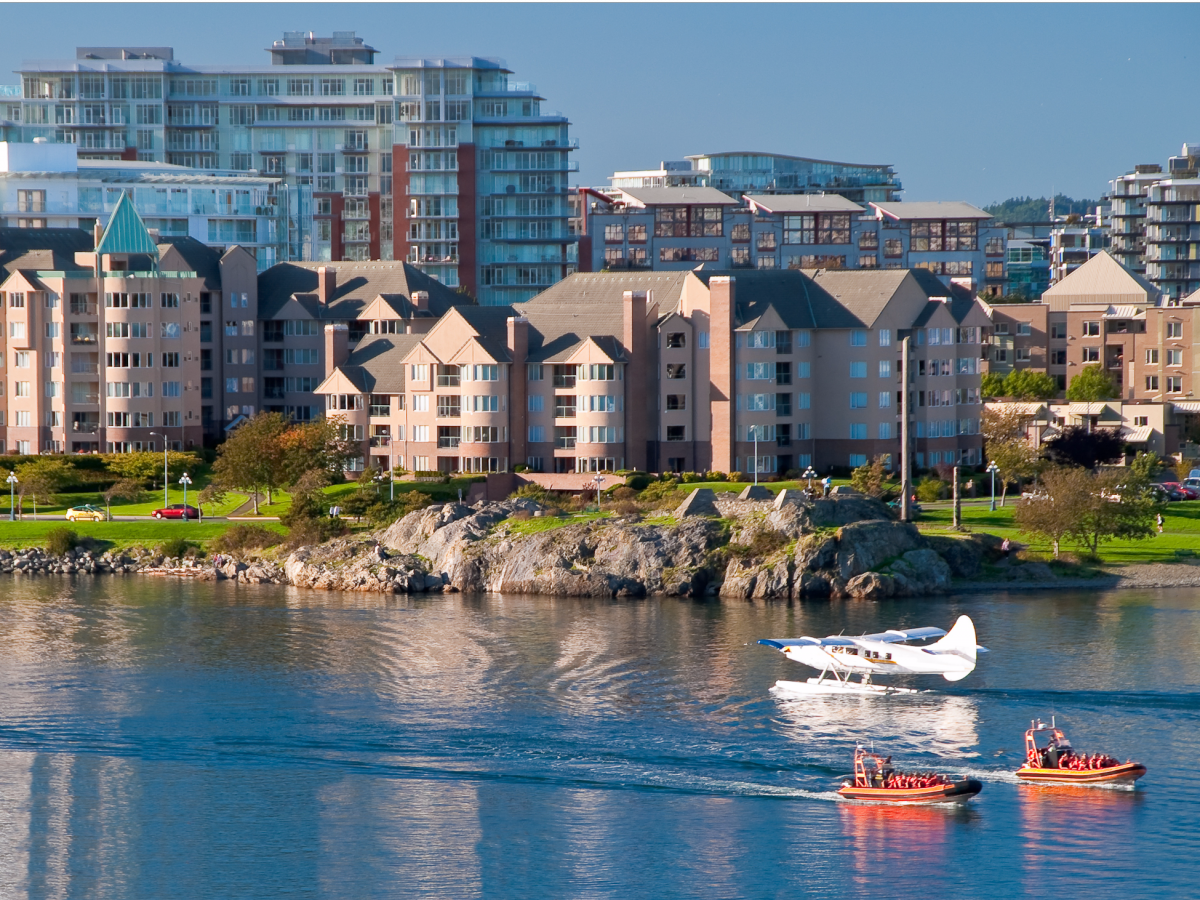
[102, 345]
[82, 311]
[1146, 426]
[675, 228]
[445, 163]
[1156, 225]
[762, 371]
[1103, 314]
[45, 185]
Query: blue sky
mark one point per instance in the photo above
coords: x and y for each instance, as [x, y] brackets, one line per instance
[976, 102]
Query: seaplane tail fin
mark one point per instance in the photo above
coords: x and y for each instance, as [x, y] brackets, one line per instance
[959, 642]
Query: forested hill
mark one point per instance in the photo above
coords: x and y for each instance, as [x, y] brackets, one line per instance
[1037, 209]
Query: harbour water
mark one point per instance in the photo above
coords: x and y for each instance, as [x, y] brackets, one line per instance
[165, 739]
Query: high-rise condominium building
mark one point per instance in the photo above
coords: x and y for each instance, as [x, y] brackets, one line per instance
[1156, 223]
[447, 164]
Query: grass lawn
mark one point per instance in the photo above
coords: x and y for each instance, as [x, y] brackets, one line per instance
[1181, 532]
[337, 493]
[549, 523]
[122, 508]
[115, 535]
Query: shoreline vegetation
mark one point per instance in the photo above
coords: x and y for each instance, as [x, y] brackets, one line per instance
[637, 544]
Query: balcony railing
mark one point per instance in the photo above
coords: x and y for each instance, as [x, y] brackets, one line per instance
[382, 440]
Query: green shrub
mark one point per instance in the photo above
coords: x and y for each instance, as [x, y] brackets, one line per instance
[177, 548]
[737, 476]
[624, 492]
[638, 480]
[691, 477]
[715, 476]
[930, 489]
[60, 540]
[241, 538]
[659, 490]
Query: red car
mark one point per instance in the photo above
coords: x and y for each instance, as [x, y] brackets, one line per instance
[177, 511]
[1186, 489]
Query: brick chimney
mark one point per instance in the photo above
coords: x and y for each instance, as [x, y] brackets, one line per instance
[337, 345]
[97, 234]
[640, 389]
[518, 384]
[326, 284]
[721, 300]
[420, 301]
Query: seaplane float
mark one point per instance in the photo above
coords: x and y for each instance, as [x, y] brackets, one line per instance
[1058, 763]
[875, 780]
[839, 658]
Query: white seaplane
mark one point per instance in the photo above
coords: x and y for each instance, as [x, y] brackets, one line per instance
[840, 657]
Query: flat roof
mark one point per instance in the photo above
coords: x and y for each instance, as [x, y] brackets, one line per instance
[827, 162]
[678, 196]
[931, 209]
[802, 203]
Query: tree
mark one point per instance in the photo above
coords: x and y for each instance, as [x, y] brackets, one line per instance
[306, 520]
[991, 385]
[1076, 446]
[1026, 384]
[868, 478]
[212, 494]
[41, 478]
[146, 466]
[1090, 508]
[126, 489]
[1007, 445]
[318, 444]
[252, 457]
[1091, 385]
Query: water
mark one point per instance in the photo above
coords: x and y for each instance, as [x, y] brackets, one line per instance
[161, 740]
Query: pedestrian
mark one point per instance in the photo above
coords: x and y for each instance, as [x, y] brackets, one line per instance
[1159, 521]
[826, 484]
[1005, 547]
[332, 511]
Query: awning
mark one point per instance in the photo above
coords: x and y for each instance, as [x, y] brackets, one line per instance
[1139, 435]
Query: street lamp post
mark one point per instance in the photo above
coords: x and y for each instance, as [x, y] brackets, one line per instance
[810, 473]
[12, 511]
[185, 481]
[599, 482]
[166, 499]
[993, 469]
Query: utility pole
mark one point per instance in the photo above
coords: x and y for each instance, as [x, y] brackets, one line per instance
[905, 462]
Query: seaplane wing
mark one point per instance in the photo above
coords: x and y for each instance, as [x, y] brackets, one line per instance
[885, 653]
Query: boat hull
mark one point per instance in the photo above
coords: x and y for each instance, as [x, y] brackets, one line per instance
[1126, 773]
[957, 792]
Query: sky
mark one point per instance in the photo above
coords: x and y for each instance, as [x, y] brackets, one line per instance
[975, 102]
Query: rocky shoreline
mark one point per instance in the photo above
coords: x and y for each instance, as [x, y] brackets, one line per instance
[786, 548]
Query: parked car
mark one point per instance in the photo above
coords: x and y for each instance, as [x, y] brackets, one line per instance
[1195, 473]
[86, 513]
[177, 511]
[1166, 492]
[1189, 493]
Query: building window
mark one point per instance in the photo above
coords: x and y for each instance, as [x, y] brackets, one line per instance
[858, 369]
[1174, 329]
[893, 248]
[858, 337]
[614, 233]
[1174, 357]
[1058, 357]
[1152, 357]
[1091, 329]
[1058, 331]
[858, 400]
[858, 432]
[1174, 384]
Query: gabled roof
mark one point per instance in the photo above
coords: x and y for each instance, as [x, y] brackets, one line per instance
[799, 300]
[1100, 280]
[863, 292]
[376, 365]
[802, 203]
[43, 249]
[933, 209]
[126, 232]
[200, 258]
[678, 196]
[358, 283]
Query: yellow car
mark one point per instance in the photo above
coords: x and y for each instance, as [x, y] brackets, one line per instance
[86, 513]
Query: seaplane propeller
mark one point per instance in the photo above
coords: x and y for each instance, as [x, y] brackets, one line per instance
[840, 657]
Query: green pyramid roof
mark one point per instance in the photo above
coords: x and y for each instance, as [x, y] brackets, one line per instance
[126, 233]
